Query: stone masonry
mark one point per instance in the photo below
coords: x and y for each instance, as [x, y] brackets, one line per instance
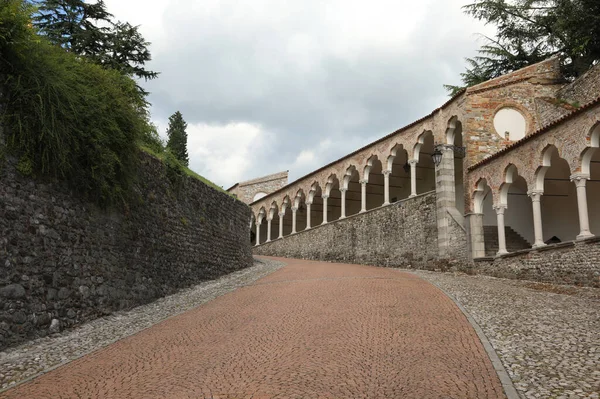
[64, 261]
[246, 190]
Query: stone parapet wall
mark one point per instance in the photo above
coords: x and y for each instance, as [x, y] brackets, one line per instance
[64, 261]
[403, 234]
[576, 263]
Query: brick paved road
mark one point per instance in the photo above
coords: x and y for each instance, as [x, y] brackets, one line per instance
[309, 330]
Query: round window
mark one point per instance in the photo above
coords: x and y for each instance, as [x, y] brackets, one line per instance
[510, 124]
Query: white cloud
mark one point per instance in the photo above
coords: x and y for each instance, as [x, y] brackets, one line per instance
[271, 85]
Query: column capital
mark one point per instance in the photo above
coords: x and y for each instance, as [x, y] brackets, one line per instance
[343, 190]
[258, 223]
[386, 172]
[325, 196]
[500, 208]
[363, 181]
[281, 214]
[309, 203]
[269, 218]
[535, 195]
[579, 179]
[413, 161]
[294, 209]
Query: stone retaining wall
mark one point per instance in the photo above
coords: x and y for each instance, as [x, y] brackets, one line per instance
[403, 234]
[576, 263]
[64, 261]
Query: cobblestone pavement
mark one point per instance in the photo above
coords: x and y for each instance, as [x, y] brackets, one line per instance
[29, 359]
[308, 330]
[547, 337]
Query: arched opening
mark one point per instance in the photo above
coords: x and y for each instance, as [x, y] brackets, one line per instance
[262, 221]
[316, 208]
[334, 207]
[590, 166]
[274, 216]
[483, 204]
[352, 185]
[518, 215]
[397, 164]
[454, 137]
[425, 179]
[286, 219]
[560, 219]
[252, 229]
[375, 185]
[301, 214]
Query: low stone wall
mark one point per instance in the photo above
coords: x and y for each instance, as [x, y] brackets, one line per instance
[576, 263]
[64, 261]
[403, 234]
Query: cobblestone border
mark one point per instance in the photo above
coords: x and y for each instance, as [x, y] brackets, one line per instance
[509, 389]
[35, 358]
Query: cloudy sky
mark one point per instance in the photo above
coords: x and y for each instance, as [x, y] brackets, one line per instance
[272, 85]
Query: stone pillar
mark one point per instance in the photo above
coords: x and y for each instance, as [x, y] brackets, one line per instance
[445, 197]
[501, 231]
[325, 197]
[281, 215]
[475, 232]
[269, 229]
[294, 210]
[308, 205]
[363, 196]
[413, 177]
[536, 196]
[386, 186]
[257, 234]
[343, 191]
[584, 221]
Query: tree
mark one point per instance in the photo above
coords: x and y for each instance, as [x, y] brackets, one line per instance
[529, 31]
[88, 29]
[177, 142]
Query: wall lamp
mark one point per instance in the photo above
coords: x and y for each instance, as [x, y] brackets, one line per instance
[437, 152]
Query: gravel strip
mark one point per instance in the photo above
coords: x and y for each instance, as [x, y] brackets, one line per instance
[547, 336]
[41, 355]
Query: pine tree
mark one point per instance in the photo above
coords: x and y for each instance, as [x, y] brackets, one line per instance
[87, 29]
[177, 142]
[529, 31]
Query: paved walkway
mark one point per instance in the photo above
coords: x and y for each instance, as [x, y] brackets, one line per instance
[309, 330]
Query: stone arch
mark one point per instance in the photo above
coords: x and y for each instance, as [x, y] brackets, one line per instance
[593, 139]
[351, 183]
[546, 156]
[374, 180]
[450, 130]
[397, 163]
[301, 212]
[518, 214]
[334, 197]
[315, 199]
[481, 189]
[425, 169]
[420, 143]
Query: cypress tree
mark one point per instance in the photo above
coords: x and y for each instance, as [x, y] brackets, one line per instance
[177, 142]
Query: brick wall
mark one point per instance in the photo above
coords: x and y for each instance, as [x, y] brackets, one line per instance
[64, 259]
[401, 234]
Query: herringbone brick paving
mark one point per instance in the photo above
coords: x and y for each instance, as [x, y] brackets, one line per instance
[309, 330]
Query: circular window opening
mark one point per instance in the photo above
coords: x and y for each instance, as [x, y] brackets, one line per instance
[510, 124]
[258, 196]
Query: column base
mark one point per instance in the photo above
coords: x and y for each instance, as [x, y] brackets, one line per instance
[267, 241]
[585, 235]
[385, 203]
[324, 223]
[412, 195]
[500, 253]
[539, 245]
[362, 211]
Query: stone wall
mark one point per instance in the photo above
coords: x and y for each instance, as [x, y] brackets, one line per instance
[575, 263]
[64, 261]
[246, 190]
[403, 234]
[584, 89]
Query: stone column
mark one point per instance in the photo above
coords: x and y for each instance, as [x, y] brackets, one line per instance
[536, 196]
[281, 215]
[584, 221]
[308, 205]
[475, 234]
[343, 191]
[294, 210]
[269, 229]
[363, 196]
[501, 232]
[413, 177]
[257, 234]
[386, 186]
[325, 197]
[445, 197]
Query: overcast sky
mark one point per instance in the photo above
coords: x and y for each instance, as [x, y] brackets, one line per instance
[272, 85]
